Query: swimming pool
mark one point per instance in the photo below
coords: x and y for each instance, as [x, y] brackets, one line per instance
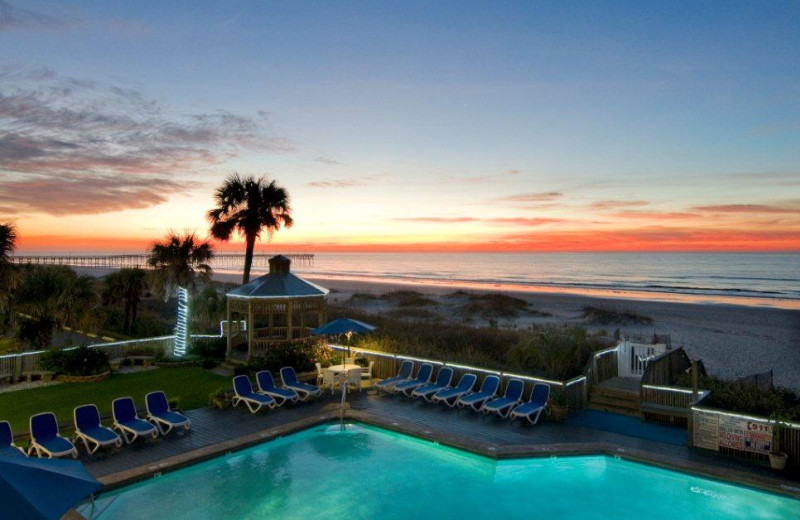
[361, 472]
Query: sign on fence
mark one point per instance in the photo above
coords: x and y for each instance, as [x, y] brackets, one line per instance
[706, 430]
[713, 431]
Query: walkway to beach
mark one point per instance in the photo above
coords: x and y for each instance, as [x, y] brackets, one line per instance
[216, 432]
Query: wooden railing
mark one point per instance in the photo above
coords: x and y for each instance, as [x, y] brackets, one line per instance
[660, 401]
[387, 365]
[602, 365]
[665, 369]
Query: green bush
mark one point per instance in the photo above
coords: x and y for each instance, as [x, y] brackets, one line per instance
[553, 352]
[210, 348]
[737, 396]
[81, 361]
[299, 354]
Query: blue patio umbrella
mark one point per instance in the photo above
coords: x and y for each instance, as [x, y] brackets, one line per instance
[343, 326]
[34, 489]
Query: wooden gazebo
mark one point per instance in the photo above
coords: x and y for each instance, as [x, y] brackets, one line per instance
[276, 307]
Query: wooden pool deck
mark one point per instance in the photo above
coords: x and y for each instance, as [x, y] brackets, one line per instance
[216, 432]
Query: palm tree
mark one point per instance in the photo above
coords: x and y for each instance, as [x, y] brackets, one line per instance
[249, 205]
[178, 261]
[53, 296]
[9, 274]
[126, 285]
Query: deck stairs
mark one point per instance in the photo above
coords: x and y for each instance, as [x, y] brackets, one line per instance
[618, 395]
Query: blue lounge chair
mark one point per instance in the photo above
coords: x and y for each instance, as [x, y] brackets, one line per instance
[533, 408]
[304, 390]
[158, 413]
[443, 380]
[244, 394]
[477, 399]
[423, 377]
[45, 440]
[89, 429]
[450, 396]
[266, 386]
[7, 446]
[127, 423]
[504, 405]
[404, 374]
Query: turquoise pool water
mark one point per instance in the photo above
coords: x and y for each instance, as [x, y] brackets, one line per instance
[361, 472]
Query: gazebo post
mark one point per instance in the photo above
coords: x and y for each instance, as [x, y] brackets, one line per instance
[289, 320]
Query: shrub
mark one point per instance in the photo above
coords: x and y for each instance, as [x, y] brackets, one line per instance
[738, 396]
[298, 354]
[81, 361]
[553, 352]
[211, 348]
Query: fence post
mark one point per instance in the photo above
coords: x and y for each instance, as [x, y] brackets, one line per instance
[17, 368]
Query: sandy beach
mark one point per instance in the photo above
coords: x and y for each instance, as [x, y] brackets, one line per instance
[732, 340]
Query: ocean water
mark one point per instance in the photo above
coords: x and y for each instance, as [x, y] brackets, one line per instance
[757, 279]
[360, 472]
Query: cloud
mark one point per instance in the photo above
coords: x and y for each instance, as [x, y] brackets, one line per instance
[75, 132]
[615, 204]
[12, 17]
[495, 220]
[327, 160]
[346, 183]
[84, 195]
[656, 215]
[533, 197]
[747, 208]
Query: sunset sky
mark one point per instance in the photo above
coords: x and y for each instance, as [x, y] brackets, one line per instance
[406, 125]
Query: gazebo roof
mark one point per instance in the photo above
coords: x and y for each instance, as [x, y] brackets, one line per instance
[279, 283]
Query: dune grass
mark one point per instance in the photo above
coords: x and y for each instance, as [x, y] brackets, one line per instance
[191, 384]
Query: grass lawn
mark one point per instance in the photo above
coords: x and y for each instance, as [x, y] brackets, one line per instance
[191, 384]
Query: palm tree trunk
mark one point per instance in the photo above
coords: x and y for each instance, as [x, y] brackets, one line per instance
[248, 257]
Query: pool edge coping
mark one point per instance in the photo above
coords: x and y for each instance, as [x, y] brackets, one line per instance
[464, 443]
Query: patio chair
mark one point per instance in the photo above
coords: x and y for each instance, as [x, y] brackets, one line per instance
[504, 405]
[7, 446]
[45, 440]
[404, 374]
[450, 396]
[477, 399]
[266, 386]
[304, 390]
[158, 413]
[329, 379]
[127, 423]
[533, 408]
[243, 390]
[353, 379]
[423, 377]
[319, 373]
[366, 372]
[89, 429]
[443, 380]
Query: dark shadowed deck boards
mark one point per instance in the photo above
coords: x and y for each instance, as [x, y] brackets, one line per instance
[209, 426]
[450, 426]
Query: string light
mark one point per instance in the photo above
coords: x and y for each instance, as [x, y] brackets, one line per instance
[182, 326]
